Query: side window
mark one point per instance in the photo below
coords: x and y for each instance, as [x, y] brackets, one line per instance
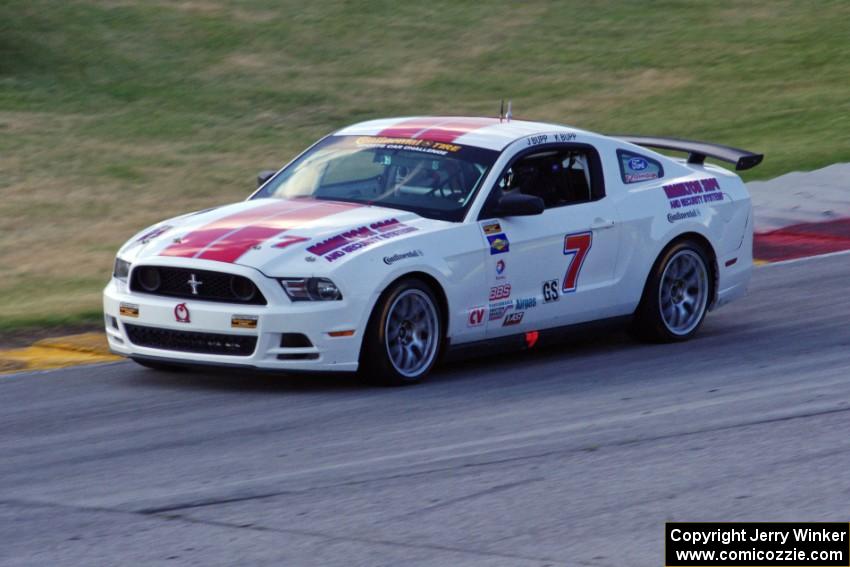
[635, 168]
[559, 176]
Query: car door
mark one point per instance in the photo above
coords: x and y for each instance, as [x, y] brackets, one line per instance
[558, 267]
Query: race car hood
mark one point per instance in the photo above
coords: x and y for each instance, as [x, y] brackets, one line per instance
[271, 234]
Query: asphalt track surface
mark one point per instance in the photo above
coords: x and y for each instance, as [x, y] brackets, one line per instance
[568, 456]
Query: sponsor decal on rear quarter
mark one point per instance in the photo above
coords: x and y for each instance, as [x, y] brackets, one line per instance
[673, 217]
[691, 193]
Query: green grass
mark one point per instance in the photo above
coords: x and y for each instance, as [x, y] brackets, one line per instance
[79, 320]
[115, 114]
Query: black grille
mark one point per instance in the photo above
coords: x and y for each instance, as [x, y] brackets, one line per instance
[213, 286]
[189, 341]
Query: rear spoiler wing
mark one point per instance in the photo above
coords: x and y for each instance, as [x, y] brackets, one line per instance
[698, 151]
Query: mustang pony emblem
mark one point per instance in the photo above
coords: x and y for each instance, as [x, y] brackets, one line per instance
[194, 283]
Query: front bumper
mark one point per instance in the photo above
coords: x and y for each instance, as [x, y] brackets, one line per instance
[315, 320]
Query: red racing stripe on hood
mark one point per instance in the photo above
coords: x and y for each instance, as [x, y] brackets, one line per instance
[231, 247]
[197, 240]
[444, 130]
[226, 239]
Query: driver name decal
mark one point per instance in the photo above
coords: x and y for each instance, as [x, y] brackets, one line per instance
[556, 137]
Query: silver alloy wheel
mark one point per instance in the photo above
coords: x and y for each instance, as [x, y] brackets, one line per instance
[683, 292]
[411, 333]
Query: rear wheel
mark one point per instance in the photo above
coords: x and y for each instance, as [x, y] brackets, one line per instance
[404, 335]
[676, 296]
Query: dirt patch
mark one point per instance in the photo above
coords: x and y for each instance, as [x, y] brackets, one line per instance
[25, 337]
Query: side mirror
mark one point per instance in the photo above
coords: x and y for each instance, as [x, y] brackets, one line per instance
[519, 205]
[264, 176]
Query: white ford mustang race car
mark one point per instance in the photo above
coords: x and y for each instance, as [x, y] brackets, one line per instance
[391, 242]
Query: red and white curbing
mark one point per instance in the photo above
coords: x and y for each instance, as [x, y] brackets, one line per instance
[802, 214]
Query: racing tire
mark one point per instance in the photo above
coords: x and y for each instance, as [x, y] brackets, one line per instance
[404, 335]
[676, 296]
[159, 366]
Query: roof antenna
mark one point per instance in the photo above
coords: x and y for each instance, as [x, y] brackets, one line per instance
[502, 110]
[508, 115]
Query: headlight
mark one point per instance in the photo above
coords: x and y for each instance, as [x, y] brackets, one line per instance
[310, 289]
[121, 269]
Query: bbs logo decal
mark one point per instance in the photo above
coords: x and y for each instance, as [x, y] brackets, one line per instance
[500, 292]
[476, 316]
[550, 291]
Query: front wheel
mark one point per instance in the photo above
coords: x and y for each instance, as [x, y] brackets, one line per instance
[403, 337]
[676, 296]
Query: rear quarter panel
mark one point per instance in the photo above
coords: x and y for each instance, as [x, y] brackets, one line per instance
[706, 200]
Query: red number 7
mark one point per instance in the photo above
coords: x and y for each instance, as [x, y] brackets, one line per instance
[576, 246]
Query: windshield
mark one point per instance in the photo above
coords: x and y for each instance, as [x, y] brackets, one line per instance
[433, 179]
